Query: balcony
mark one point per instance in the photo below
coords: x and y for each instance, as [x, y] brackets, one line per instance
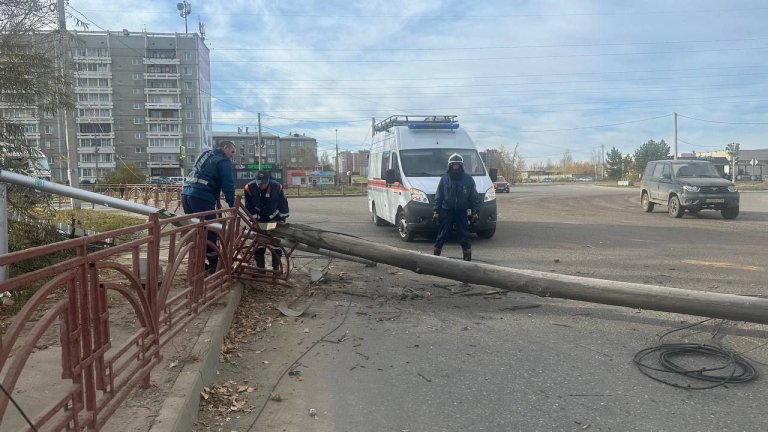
[157, 120]
[165, 135]
[93, 90]
[163, 164]
[95, 104]
[87, 135]
[164, 150]
[163, 105]
[90, 74]
[151, 61]
[162, 91]
[95, 120]
[91, 59]
[91, 150]
[157, 75]
[94, 165]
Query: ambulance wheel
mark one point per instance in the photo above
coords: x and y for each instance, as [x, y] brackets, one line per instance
[406, 235]
[376, 219]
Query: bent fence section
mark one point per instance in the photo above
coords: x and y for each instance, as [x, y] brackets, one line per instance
[158, 279]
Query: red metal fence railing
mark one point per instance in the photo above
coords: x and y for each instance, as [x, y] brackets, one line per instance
[69, 316]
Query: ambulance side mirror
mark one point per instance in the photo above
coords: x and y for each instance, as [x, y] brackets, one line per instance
[390, 176]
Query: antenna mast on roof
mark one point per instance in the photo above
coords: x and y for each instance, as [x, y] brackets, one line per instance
[185, 8]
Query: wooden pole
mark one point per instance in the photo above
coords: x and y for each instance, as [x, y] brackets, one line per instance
[542, 284]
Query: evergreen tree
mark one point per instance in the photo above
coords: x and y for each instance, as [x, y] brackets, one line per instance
[650, 151]
[615, 164]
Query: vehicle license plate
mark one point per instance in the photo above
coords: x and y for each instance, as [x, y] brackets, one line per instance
[716, 200]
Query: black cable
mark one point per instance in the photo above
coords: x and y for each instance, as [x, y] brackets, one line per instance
[661, 361]
[295, 362]
[23, 414]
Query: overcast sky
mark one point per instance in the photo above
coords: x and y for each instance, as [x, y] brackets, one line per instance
[548, 76]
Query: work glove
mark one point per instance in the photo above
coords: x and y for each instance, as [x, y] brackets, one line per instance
[475, 217]
[435, 216]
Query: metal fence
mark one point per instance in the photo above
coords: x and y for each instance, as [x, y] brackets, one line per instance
[159, 275]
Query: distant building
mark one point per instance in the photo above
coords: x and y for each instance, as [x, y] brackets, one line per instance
[249, 157]
[142, 98]
[297, 152]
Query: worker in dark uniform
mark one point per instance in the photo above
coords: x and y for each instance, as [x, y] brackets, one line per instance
[265, 200]
[211, 174]
[456, 193]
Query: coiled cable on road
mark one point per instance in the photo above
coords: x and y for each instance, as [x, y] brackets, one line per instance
[666, 360]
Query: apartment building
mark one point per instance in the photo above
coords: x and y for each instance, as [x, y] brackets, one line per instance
[141, 98]
[297, 152]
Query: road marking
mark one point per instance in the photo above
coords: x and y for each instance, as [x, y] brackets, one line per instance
[724, 265]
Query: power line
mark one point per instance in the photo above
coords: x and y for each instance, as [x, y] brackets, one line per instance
[586, 127]
[478, 59]
[474, 77]
[454, 49]
[722, 122]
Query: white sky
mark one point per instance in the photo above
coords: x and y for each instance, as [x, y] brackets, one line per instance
[546, 75]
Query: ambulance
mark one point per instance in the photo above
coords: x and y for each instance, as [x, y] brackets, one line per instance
[408, 156]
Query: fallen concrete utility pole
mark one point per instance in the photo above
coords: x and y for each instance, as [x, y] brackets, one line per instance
[79, 194]
[542, 284]
[302, 247]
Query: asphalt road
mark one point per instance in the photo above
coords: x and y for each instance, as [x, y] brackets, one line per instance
[416, 353]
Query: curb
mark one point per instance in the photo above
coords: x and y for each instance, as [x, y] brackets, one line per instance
[180, 408]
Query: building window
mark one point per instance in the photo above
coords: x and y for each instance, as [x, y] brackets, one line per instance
[187, 56]
[136, 76]
[135, 61]
[187, 85]
[187, 70]
[189, 129]
[189, 115]
[138, 120]
[139, 149]
[137, 91]
[191, 144]
[188, 100]
[138, 135]
[138, 106]
[49, 130]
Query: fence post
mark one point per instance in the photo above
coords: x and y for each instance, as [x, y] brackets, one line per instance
[3, 229]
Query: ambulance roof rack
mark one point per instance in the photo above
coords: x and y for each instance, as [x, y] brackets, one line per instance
[416, 122]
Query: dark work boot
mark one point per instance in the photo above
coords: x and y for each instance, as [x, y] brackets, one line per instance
[437, 251]
[468, 255]
[260, 262]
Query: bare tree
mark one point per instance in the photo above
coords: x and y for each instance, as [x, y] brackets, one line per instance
[33, 82]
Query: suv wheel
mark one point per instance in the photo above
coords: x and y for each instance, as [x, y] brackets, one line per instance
[645, 201]
[730, 213]
[675, 209]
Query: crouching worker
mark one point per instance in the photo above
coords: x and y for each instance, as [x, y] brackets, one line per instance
[265, 200]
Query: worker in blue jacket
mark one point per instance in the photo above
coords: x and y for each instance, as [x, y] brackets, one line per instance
[456, 193]
[265, 200]
[210, 176]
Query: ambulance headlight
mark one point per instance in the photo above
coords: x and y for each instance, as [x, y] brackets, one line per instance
[490, 194]
[419, 196]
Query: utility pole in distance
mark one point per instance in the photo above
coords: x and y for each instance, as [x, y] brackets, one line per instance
[336, 177]
[66, 114]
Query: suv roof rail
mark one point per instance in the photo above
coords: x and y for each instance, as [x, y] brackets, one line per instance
[416, 122]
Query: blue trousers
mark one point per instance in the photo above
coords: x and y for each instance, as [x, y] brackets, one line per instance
[195, 205]
[449, 219]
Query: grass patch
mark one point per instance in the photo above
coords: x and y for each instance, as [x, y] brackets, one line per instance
[96, 220]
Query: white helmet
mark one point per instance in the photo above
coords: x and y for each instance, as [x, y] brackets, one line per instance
[455, 158]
